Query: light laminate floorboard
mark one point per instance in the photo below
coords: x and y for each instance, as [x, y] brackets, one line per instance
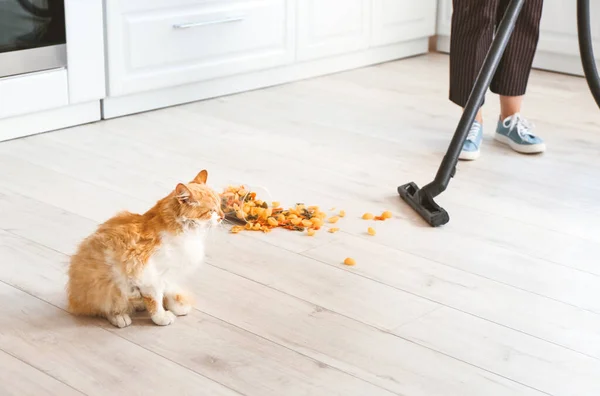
[504, 300]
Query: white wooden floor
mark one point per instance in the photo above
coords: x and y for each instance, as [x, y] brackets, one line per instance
[503, 300]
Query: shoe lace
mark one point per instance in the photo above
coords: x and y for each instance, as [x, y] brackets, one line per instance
[473, 132]
[522, 126]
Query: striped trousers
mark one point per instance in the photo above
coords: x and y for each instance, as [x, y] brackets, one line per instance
[473, 25]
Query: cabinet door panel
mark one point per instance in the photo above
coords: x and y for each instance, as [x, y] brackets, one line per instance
[332, 27]
[395, 21]
[196, 41]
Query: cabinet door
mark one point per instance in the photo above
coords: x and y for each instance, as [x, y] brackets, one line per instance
[558, 48]
[395, 21]
[165, 43]
[332, 27]
[444, 23]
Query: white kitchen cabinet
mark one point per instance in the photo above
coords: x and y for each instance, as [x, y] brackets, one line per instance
[558, 48]
[332, 27]
[444, 22]
[167, 52]
[181, 43]
[394, 21]
[42, 101]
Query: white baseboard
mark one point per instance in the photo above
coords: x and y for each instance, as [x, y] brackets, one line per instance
[558, 63]
[49, 120]
[443, 44]
[124, 105]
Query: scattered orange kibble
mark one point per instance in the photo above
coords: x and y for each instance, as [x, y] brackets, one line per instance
[387, 214]
[350, 261]
[367, 216]
[241, 205]
[342, 213]
[334, 229]
[379, 218]
[371, 231]
[236, 229]
[333, 219]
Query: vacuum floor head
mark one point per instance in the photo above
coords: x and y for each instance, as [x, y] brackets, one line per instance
[423, 204]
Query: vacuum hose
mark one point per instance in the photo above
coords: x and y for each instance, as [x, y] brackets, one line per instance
[586, 48]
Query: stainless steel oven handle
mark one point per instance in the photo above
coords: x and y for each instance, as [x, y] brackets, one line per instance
[207, 23]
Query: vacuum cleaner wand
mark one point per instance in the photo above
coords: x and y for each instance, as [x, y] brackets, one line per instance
[586, 48]
[422, 199]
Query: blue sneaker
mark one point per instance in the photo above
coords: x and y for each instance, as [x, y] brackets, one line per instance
[470, 150]
[517, 133]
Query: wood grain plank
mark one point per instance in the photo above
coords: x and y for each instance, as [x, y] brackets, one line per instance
[64, 191]
[86, 357]
[243, 361]
[549, 320]
[18, 378]
[546, 367]
[557, 370]
[335, 340]
[200, 343]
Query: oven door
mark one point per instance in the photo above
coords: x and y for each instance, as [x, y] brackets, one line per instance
[32, 36]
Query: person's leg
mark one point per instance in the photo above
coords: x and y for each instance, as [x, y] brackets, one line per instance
[472, 32]
[510, 105]
[471, 35]
[512, 77]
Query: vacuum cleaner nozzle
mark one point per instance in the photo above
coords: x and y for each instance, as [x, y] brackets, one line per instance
[423, 204]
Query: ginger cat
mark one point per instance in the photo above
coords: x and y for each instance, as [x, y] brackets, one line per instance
[134, 262]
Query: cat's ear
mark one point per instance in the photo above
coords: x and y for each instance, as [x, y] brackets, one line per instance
[182, 193]
[201, 177]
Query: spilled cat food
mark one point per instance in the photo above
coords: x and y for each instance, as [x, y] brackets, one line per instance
[252, 214]
[242, 206]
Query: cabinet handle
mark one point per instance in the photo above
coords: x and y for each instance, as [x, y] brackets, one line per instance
[207, 23]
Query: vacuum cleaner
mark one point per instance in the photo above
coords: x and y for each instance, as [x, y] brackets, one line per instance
[421, 200]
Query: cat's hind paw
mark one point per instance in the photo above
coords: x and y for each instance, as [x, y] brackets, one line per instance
[163, 318]
[119, 321]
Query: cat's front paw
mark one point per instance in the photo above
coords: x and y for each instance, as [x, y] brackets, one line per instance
[180, 309]
[163, 318]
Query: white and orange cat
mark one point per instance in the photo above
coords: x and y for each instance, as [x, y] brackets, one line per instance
[134, 262]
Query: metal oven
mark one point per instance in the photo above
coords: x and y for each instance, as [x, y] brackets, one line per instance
[32, 36]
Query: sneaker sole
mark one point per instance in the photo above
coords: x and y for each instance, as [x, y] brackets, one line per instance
[521, 148]
[469, 155]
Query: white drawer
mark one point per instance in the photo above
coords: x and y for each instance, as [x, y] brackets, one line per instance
[193, 40]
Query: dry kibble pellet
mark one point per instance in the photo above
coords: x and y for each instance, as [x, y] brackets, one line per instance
[350, 261]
